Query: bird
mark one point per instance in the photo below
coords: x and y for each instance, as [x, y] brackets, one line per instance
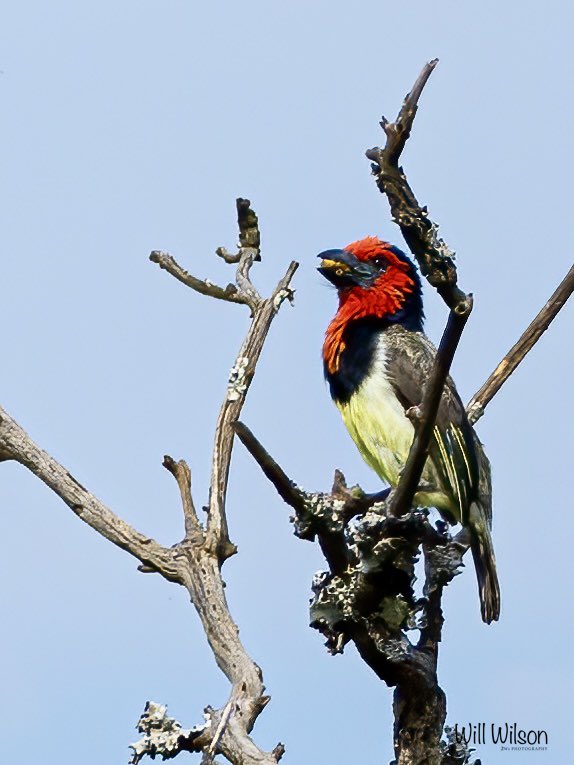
[376, 360]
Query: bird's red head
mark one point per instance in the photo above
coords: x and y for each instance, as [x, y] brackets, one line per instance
[375, 280]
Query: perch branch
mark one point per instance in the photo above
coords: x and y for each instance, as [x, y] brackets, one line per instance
[326, 515]
[516, 354]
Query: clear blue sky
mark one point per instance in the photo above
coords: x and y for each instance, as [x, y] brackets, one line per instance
[133, 126]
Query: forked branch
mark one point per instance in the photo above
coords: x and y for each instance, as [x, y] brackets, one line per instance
[196, 561]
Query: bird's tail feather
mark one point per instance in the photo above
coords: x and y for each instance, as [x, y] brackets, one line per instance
[485, 564]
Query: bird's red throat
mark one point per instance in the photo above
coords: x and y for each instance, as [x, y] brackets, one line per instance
[387, 296]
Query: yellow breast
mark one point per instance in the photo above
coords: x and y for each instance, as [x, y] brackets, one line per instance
[377, 423]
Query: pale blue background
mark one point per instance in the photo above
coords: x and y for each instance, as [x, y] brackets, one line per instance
[129, 126]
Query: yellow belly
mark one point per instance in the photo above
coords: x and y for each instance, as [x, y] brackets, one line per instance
[377, 423]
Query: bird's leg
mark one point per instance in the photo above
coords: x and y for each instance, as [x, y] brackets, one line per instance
[377, 496]
[356, 500]
[361, 504]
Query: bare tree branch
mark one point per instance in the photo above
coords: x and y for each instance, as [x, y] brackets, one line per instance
[249, 251]
[435, 260]
[182, 474]
[287, 490]
[14, 441]
[530, 336]
[202, 552]
[196, 561]
[203, 286]
[243, 370]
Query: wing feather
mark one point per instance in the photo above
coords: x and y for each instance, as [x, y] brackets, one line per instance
[453, 448]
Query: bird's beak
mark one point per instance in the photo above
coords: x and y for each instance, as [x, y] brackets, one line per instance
[343, 269]
[335, 264]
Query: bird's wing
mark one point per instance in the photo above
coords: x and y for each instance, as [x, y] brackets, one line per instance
[454, 449]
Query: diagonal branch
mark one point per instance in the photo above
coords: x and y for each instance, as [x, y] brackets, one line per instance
[530, 336]
[203, 286]
[401, 499]
[435, 260]
[16, 443]
[286, 488]
[316, 515]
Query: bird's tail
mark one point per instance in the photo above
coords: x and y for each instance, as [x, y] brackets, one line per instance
[484, 563]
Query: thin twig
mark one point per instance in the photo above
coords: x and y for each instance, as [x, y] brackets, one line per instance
[530, 336]
[330, 535]
[182, 474]
[286, 488]
[249, 251]
[204, 286]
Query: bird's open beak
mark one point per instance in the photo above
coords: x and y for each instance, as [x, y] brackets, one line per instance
[343, 269]
[335, 265]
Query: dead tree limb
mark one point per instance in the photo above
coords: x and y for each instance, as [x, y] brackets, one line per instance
[196, 561]
[368, 597]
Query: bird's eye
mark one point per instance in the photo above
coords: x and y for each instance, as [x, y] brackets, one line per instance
[339, 272]
[380, 262]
